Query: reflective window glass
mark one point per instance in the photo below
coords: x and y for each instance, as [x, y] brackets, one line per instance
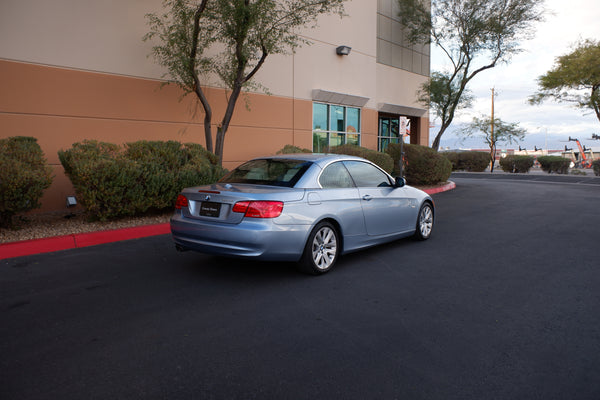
[320, 117]
[394, 127]
[278, 172]
[337, 118]
[352, 120]
[337, 139]
[335, 176]
[367, 175]
[335, 125]
[384, 127]
[320, 142]
[353, 139]
[389, 131]
[383, 144]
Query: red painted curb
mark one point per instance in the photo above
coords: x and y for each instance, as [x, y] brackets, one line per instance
[57, 243]
[47, 245]
[35, 246]
[101, 237]
[449, 186]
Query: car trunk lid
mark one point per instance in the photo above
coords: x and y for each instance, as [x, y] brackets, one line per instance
[215, 202]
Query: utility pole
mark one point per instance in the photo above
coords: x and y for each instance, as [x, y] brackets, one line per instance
[492, 136]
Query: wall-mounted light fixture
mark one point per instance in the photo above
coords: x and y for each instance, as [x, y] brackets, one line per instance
[343, 50]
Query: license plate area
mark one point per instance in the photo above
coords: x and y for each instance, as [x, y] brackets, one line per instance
[210, 209]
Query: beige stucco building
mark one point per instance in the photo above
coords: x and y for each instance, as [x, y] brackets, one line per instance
[78, 69]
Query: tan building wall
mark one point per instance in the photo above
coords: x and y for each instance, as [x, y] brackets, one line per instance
[77, 69]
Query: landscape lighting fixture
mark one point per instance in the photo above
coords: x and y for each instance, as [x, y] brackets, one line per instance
[343, 50]
[71, 201]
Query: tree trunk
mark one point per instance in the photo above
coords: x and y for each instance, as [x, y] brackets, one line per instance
[492, 156]
[595, 100]
[222, 130]
[207, 127]
[436, 142]
[192, 72]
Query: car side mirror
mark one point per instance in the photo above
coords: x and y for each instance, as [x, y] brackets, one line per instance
[400, 182]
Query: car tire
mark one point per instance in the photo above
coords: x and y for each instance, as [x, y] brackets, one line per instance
[424, 222]
[322, 249]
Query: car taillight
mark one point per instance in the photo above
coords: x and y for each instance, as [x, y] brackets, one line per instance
[259, 209]
[181, 202]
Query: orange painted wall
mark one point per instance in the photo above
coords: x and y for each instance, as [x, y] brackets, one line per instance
[63, 106]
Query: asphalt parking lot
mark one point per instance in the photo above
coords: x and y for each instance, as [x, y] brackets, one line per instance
[503, 302]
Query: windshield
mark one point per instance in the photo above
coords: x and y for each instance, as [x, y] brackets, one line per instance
[274, 172]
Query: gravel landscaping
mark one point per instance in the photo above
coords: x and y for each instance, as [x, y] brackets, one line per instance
[42, 225]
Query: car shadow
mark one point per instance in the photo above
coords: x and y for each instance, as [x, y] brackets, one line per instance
[202, 266]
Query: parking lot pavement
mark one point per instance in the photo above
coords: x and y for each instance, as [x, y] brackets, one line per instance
[501, 303]
[534, 176]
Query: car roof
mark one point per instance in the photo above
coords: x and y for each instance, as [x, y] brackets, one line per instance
[318, 158]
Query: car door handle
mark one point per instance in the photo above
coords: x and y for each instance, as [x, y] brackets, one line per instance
[367, 197]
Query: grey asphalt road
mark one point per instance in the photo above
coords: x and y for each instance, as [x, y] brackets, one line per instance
[503, 302]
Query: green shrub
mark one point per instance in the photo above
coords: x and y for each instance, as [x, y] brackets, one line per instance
[170, 166]
[596, 167]
[383, 160]
[472, 161]
[88, 150]
[516, 164]
[422, 165]
[291, 149]
[112, 181]
[24, 175]
[557, 164]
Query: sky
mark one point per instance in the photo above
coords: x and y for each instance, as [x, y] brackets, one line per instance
[550, 124]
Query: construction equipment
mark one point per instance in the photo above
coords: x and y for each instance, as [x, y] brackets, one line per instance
[582, 161]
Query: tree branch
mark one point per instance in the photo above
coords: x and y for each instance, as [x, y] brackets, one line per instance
[258, 65]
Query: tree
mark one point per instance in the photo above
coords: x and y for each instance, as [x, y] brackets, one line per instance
[494, 133]
[228, 39]
[475, 35]
[438, 93]
[575, 78]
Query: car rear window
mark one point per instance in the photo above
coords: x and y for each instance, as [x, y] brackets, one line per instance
[273, 172]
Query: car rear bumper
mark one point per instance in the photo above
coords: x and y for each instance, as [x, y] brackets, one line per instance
[258, 239]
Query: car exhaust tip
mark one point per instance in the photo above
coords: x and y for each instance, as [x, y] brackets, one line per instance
[180, 248]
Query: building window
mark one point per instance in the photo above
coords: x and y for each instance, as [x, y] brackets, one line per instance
[390, 130]
[334, 125]
[393, 47]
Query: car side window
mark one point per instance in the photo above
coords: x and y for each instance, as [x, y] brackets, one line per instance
[367, 175]
[335, 176]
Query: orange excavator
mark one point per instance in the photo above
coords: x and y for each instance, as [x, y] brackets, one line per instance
[583, 161]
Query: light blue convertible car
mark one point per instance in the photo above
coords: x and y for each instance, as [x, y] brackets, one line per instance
[307, 208]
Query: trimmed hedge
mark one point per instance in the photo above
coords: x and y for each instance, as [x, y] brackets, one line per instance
[383, 160]
[596, 167]
[516, 164]
[472, 161]
[24, 175]
[422, 165]
[291, 149]
[113, 181]
[557, 164]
